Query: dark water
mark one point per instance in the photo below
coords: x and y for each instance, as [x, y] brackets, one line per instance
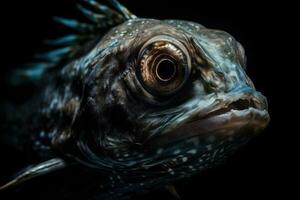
[263, 168]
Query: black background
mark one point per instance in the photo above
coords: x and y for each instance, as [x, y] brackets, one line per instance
[266, 167]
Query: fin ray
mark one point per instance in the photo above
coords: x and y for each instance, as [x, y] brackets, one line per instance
[126, 13]
[74, 24]
[55, 55]
[94, 17]
[63, 41]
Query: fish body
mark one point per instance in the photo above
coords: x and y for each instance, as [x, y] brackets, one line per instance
[143, 105]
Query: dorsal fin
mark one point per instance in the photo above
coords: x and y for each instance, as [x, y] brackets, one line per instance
[100, 18]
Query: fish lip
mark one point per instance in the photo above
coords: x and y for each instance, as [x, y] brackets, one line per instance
[244, 103]
[221, 120]
[248, 109]
[228, 123]
[233, 122]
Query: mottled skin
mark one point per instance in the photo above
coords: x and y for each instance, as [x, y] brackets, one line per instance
[97, 112]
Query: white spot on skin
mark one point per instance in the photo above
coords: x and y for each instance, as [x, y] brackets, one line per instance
[126, 155]
[184, 159]
[176, 152]
[171, 171]
[42, 134]
[192, 151]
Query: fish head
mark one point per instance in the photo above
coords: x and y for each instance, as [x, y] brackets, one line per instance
[170, 93]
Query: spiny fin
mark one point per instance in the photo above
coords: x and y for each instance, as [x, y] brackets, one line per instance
[172, 190]
[100, 17]
[55, 55]
[102, 9]
[36, 171]
[94, 17]
[74, 24]
[125, 12]
[64, 41]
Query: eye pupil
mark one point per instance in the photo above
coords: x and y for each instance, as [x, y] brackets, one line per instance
[165, 70]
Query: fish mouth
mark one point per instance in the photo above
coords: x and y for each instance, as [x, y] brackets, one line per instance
[241, 114]
[244, 114]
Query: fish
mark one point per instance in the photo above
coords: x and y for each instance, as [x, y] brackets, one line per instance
[138, 103]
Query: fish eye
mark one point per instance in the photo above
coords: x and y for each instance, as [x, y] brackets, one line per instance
[164, 66]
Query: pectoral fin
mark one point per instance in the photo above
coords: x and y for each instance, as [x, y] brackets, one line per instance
[35, 171]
